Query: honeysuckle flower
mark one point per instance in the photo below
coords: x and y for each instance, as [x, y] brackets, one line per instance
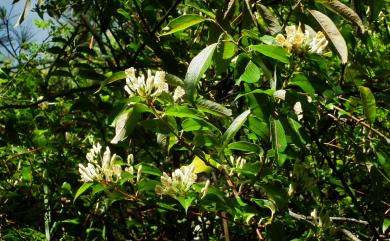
[297, 40]
[318, 43]
[100, 167]
[179, 93]
[179, 184]
[298, 110]
[280, 94]
[151, 87]
[236, 164]
[205, 189]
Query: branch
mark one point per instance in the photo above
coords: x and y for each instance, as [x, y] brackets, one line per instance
[309, 218]
[156, 28]
[364, 124]
[344, 183]
[50, 98]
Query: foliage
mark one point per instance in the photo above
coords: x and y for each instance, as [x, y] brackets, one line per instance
[198, 120]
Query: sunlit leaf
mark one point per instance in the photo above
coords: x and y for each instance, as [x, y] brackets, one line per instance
[181, 23]
[369, 105]
[212, 107]
[198, 66]
[274, 52]
[234, 128]
[82, 189]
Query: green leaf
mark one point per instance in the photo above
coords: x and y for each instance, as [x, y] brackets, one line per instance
[125, 124]
[185, 202]
[234, 128]
[274, 52]
[269, 18]
[300, 80]
[369, 105]
[198, 66]
[264, 203]
[82, 189]
[244, 146]
[251, 73]
[195, 125]
[213, 107]
[182, 112]
[278, 139]
[182, 23]
[200, 165]
[276, 193]
[333, 34]
[114, 77]
[386, 225]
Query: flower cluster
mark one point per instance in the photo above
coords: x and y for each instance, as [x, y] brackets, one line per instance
[236, 164]
[296, 40]
[103, 167]
[150, 87]
[179, 184]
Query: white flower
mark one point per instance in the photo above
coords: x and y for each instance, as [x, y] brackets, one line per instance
[179, 184]
[318, 43]
[150, 87]
[179, 93]
[296, 40]
[298, 110]
[236, 164]
[280, 94]
[100, 167]
[205, 189]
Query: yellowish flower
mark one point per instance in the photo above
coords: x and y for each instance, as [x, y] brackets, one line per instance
[179, 184]
[100, 167]
[296, 40]
[151, 87]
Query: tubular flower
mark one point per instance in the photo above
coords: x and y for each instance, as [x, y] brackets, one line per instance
[100, 166]
[318, 43]
[179, 184]
[296, 40]
[150, 87]
[237, 164]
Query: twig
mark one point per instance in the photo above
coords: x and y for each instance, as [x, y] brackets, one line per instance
[50, 98]
[350, 235]
[344, 183]
[364, 124]
[225, 226]
[309, 218]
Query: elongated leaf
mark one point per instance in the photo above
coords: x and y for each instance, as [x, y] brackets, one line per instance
[244, 146]
[274, 52]
[269, 18]
[278, 139]
[346, 12]
[182, 23]
[333, 34]
[198, 66]
[125, 123]
[234, 128]
[24, 14]
[114, 77]
[182, 112]
[386, 225]
[82, 189]
[369, 105]
[213, 107]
